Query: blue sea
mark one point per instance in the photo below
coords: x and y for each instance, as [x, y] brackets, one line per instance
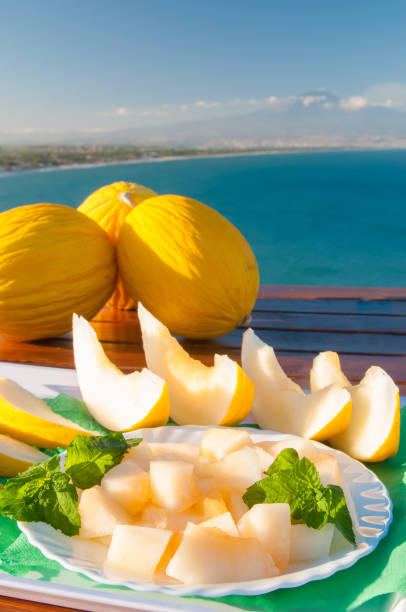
[311, 218]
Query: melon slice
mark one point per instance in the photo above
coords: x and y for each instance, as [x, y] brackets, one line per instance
[374, 429]
[27, 418]
[270, 525]
[136, 551]
[16, 457]
[281, 405]
[207, 555]
[326, 369]
[118, 401]
[199, 395]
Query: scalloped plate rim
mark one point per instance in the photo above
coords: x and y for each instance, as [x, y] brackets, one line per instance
[365, 544]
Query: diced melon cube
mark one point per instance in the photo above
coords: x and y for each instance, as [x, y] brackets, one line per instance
[239, 470]
[209, 556]
[224, 522]
[235, 504]
[265, 459]
[206, 468]
[328, 469]
[160, 576]
[135, 551]
[99, 513]
[104, 540]
[89, 550]
[211, 505]
[178, 450]
[173, 485]
[205, 485]
[270, 525]
[128, 485]
[141, 455]
[153, 516]
[304, 447]
[307, 544]
[219, 442]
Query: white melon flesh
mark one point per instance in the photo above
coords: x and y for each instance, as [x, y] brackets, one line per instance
[99, 513]
[270, 525]
[239, 470]
[224, 522]
[304, 447]
[307, 544]
[173, 485]
[199, 394]
[180, 450]
[154, 516]
[211, 505]
[128, 485]
[265, 459]
[328, 469]
[26, 418]
[281, 405]
[119, 402]
[209, 556]
[326, 369]
[16, 456]
[218, 442]
[140, 454]
[89, 550]
[135, 551]
[373, 431]
[236, 504]
[206, 468]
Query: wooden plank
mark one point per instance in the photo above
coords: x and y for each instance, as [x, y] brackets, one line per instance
[317, 292]
[12, 604]
[330, 306]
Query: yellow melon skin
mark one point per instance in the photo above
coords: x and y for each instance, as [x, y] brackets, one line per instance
[189, 266]
[54, 261]
[109, 206]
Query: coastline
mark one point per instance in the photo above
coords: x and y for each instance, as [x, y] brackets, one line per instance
[170, 158]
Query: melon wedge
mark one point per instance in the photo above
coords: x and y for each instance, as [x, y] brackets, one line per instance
[118, 401]
[27, 418]
[374, 429]
[199, 395]
[16, 457]
[280, 404]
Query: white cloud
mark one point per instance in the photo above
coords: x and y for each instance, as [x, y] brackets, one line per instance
[184, 107]
[353, 103]
[308, 100]
[205, 104]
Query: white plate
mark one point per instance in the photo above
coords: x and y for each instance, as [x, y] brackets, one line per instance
[367, 499]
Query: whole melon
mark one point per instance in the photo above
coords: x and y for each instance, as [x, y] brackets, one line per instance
[188, 265]
[109, 206]
[54, 261]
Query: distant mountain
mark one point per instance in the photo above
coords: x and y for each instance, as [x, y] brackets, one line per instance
[322, 122]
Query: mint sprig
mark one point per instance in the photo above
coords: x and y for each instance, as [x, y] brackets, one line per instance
[296, 482]
[44, 493]
[89, 458]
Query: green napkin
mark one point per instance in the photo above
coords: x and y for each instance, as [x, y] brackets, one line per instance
[367, 586]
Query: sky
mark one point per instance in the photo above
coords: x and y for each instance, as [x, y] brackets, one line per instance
[97, 65]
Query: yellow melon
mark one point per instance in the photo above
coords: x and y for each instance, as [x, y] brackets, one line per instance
[109, 206]
[54, 261]
[188, 265]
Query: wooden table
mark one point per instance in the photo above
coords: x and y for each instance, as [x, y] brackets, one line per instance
[364, 325]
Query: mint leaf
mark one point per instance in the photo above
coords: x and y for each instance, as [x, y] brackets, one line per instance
[76, 411]
[284, 461]
[339, 513]
[296, 482]
[42, 493]
[89, 458]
